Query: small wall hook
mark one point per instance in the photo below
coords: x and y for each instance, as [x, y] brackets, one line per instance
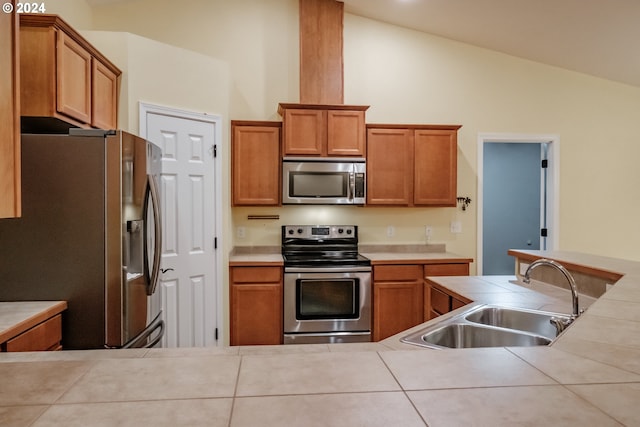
[465, 201]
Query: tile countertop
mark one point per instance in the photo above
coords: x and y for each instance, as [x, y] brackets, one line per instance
[421, 254]
[19, 316]
[589, 376]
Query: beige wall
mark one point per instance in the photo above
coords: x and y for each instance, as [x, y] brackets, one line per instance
[76, 13]
[411, 77]
[408, 76]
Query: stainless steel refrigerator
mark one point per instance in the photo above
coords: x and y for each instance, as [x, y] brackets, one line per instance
[90, 234]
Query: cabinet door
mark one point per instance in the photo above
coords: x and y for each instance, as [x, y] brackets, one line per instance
[256, 305]
[256, 314]
[73, 79]
[305, 132]
[397, 299]
[255, 165]
[435, 178]
[389, 167]
[10, 199]
[345, 133]
[104, 90]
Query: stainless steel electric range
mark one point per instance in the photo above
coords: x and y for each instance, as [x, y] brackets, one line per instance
[327, 285]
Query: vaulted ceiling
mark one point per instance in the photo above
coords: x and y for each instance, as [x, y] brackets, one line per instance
[595, 37]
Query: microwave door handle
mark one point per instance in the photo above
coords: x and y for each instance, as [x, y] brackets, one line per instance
[352, 185]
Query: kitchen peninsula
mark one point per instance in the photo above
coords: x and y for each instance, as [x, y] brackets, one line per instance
[589, 376]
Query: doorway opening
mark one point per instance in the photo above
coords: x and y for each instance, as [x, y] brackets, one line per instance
[518, 197]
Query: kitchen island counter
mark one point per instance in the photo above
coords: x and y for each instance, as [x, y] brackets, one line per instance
[589, 376]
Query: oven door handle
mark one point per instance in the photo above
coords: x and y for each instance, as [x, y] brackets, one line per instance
[354, 269]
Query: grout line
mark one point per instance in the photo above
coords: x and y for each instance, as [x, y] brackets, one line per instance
[235, 390]
[404, 391]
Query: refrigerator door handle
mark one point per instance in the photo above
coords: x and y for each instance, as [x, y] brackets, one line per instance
[157, 227]
[140, 341]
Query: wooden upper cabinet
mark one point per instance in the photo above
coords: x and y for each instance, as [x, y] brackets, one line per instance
[104, 115]
[346, 133]
[389, 167]
[10, 200]
[63, 76]
[412, 165]
[255, 163]
[73, 69]
[323, 130]
[436, 172]
[304, 132]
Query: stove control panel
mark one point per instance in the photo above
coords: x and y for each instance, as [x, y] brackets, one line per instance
[320, 231]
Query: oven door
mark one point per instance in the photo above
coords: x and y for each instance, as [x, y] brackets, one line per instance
[327, 302]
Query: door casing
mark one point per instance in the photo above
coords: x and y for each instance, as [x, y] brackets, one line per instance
[553, 184]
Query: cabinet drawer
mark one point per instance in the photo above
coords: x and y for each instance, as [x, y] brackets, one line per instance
[446, 270]
[439, 301]
[256, 275]
[47, 335]
[394, 273]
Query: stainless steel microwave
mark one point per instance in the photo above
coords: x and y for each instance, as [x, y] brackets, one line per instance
[323, 180]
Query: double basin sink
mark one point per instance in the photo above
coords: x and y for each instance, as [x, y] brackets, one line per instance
[490, 326]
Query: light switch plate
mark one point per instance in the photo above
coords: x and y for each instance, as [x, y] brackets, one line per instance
[456, 227]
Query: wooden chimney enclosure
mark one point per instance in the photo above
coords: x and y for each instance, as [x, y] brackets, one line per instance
[321, 66]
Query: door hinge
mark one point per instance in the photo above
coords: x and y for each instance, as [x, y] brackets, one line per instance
[543, 232]
[215, 333]
[545, 164]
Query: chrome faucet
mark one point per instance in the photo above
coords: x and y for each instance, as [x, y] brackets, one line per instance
[567, 275]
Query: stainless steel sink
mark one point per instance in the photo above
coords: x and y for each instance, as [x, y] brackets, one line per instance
[465, 335]
[537, 322]
[488, 326]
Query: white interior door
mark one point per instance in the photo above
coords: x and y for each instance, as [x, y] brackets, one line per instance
[188, 283]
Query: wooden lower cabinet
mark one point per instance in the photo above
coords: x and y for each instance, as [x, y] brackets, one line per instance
[440, 300]
[397, 299]
[256, 305]
[437, 301]
[44, 336]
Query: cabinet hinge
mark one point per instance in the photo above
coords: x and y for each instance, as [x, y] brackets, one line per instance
[215, 243]
[215, 150]
[545, 164]
[543, 232]
[215, 334]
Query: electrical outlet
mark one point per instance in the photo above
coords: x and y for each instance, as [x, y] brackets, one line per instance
[428, 231]
[391, 231]
[456, 227]
[241, 232]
